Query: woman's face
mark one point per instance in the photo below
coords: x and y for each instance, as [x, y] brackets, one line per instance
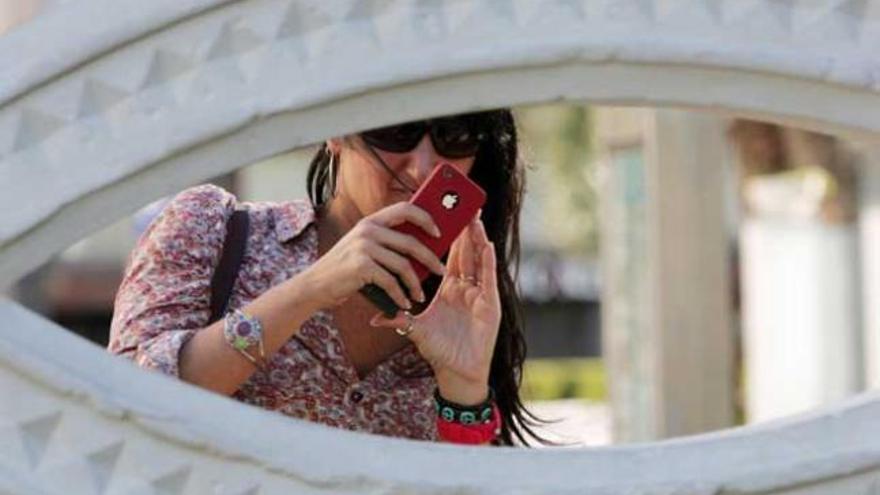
[364, 183]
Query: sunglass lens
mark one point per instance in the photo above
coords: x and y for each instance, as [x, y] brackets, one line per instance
[455, 137]
[397, 138]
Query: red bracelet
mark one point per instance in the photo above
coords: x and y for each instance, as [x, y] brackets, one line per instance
[472, 434]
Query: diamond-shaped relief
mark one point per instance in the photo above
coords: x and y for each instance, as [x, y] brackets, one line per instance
[471, 17]
[228, 71]
[839, 20]
[859, 9]
[702, 12]
[166, 83]
[371, 17]
[628, 11]
[370, 9]
[173, 483]
[353, 42]
[360, 27]
[301, 18]
[36, 434]
[98, 98]
[126, 73]
[156, 101]
[552, 12]
[165, 66]
[102, 462]
[304, 26]
[233, 40]
[427, 18]
[98, 130]
[354, 37]
[760, 16]
[34, 126]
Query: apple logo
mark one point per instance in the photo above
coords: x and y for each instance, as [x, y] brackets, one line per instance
[450, 200]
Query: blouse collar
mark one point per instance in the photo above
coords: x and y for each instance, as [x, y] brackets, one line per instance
[292, 217]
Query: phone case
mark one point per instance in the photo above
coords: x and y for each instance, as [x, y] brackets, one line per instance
[452, 199]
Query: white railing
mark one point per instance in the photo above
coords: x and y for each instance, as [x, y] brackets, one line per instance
[107, 104]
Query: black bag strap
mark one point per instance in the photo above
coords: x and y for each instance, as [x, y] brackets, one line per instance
[230, 261]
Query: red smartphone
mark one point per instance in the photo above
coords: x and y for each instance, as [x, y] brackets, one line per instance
[452, 199]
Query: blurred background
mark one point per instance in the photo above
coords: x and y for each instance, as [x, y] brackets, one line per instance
[682, 271]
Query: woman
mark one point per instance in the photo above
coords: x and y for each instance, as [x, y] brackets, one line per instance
[321, 351]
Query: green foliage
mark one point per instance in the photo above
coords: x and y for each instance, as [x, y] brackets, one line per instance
[549, 379]
[559, 142]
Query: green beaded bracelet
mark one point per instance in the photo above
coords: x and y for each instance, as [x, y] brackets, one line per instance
[467, 415]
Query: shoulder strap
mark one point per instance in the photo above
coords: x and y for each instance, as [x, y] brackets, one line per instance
[230, 261]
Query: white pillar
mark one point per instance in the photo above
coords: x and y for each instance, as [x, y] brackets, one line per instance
[666, 304]
[800, 315]
[869, 231]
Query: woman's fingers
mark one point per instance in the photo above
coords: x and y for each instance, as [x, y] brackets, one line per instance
[407, 245]
[385, 280]
[400, 213]
[469, 252]
[401, 266]
[488, 275]
[481, 236]
[453, 262]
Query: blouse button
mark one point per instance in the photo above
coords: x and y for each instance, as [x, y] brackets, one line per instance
[356, 396]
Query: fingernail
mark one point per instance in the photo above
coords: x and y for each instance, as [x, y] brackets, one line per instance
[422, 297]
[437, 231]
[408, 305]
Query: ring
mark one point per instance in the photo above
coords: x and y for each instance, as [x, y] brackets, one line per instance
[410, 324]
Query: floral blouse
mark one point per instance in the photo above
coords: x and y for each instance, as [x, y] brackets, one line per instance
[165, 296]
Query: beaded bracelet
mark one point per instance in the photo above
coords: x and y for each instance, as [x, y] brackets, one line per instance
[467, 415]
[243, 332]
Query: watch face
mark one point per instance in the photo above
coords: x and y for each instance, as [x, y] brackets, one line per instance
[450, 200]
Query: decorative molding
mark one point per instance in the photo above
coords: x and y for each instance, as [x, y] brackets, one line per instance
[148, 97]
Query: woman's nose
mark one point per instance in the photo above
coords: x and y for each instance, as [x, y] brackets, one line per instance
[423, 158]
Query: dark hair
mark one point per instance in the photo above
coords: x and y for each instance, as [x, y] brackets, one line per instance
[498, 171]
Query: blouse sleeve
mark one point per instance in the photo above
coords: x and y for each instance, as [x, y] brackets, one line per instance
[164, 297]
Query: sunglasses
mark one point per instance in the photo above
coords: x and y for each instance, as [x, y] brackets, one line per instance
[452, 137]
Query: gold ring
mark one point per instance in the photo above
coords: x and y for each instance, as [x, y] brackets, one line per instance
[410, 324]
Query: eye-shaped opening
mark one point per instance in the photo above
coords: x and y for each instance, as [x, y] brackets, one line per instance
[553, 374]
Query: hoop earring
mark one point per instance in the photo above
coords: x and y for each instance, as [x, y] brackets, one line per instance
[332, 172]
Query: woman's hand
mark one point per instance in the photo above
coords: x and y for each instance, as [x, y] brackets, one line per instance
[372, 253]
[456, 334]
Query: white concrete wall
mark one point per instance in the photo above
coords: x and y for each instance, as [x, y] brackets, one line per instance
[121, 101]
